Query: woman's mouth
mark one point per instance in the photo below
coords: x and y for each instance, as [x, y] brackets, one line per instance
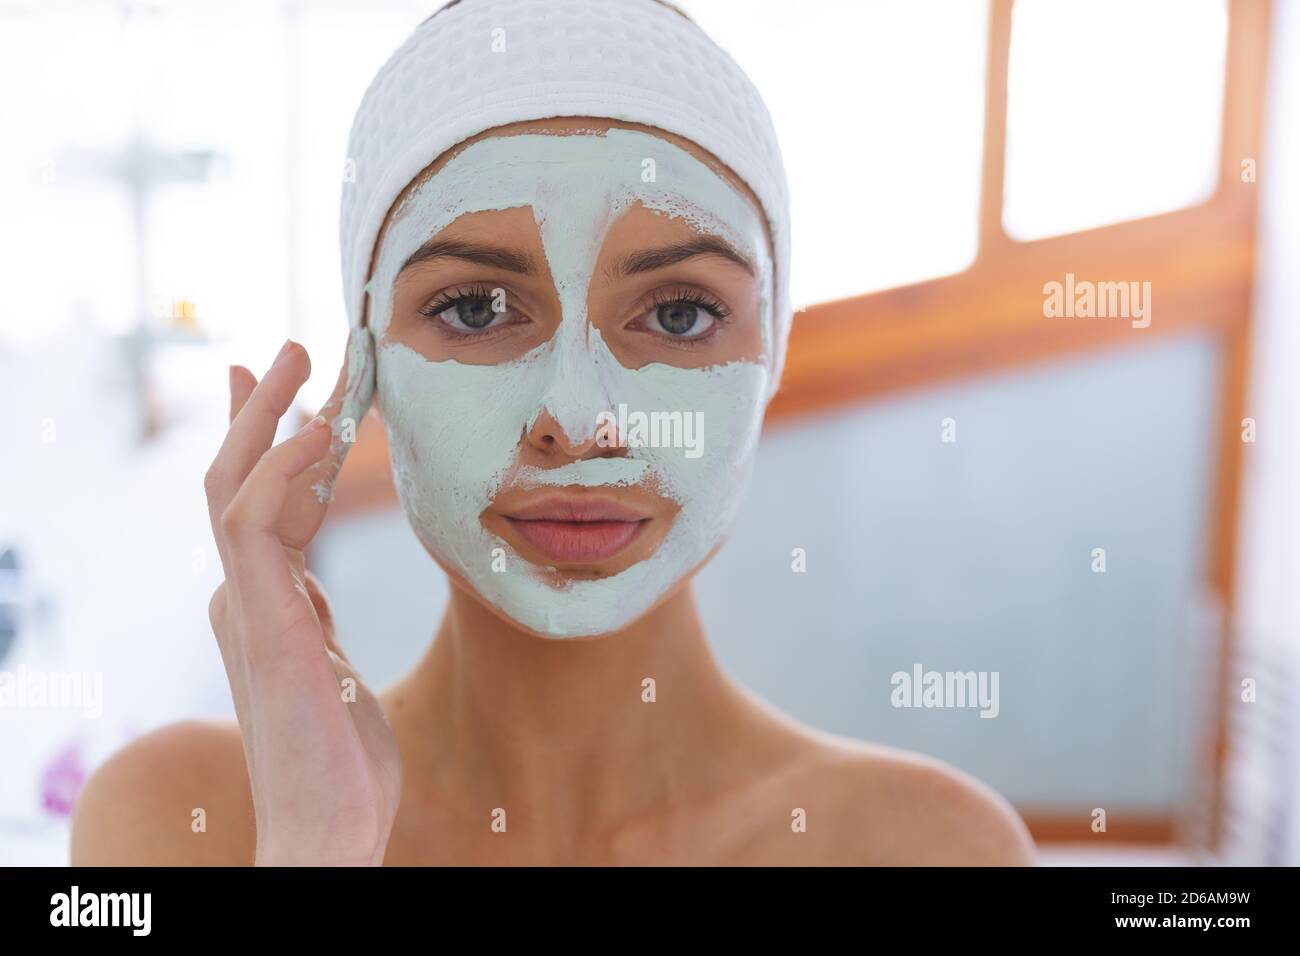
[577, 531]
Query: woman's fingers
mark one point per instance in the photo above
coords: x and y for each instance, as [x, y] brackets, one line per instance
[256, 505]
[253, 429]
[345, 408]
[322, 476]
[271, 597]
[334, 403]
[242, 383]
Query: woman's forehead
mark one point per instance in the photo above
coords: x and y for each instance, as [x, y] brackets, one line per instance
[570, 126]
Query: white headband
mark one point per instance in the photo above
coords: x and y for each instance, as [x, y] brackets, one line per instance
[479, 64]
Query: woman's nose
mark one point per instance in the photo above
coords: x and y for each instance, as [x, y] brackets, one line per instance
[576, 397]
[547, 435]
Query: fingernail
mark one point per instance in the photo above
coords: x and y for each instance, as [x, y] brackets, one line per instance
[231, 376]
[284, 350]
[312, 425]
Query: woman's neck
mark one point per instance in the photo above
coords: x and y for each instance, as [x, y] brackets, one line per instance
[579, 736]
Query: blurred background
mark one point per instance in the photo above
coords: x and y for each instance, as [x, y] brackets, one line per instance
[950, 457]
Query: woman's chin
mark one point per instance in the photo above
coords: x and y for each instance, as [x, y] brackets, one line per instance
[560, 582]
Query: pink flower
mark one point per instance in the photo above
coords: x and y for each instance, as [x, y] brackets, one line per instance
[62, 780]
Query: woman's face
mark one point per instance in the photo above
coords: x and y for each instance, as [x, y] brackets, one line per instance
[571, 323]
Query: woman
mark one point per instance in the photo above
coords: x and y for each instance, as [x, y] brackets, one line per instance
[572, 320]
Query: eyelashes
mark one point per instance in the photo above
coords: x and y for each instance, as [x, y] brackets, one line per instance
[681, 316]
[687, 316]
[693, 296]
[468, 311]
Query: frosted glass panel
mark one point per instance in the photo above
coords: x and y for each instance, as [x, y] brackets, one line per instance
[1113, 111]
[978, 555]
[879, 107]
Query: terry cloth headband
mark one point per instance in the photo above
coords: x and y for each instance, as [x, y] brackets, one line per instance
[479, 64]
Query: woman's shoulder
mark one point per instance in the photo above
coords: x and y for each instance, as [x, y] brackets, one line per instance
[882, 805]
[176, 796]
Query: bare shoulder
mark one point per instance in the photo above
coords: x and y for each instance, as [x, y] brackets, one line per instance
[896, 807]
[177, 796]
[838, 801]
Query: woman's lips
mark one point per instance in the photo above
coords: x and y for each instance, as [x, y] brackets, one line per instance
[575, 530]
[577, 540]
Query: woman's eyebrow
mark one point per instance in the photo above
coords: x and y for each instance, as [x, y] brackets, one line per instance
[512, 260]
[650, 259]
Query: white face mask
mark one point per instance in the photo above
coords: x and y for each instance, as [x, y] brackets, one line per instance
[454, 429]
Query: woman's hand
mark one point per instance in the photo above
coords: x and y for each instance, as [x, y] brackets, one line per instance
[322, 760]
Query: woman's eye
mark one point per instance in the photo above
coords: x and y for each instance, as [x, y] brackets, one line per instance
[468, 313]
[471, 314]
[684, 320]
